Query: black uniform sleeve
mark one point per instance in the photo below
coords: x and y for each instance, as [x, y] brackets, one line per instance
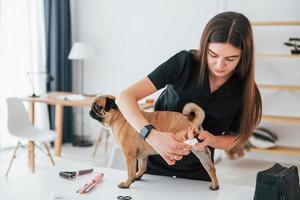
[170, 71]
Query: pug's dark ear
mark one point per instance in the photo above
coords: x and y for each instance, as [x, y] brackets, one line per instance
[110, 103]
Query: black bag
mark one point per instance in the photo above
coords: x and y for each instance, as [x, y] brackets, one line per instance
[277, 183]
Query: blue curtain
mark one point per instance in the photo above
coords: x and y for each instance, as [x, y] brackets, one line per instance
[58, 45]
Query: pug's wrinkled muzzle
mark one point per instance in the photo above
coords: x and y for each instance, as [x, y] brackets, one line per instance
[96, 116]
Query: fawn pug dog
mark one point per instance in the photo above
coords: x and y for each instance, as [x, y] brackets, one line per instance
[135, 148]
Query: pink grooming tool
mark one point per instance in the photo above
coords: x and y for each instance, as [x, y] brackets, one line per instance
[90, 185]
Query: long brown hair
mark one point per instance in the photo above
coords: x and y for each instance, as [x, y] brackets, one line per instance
[235, 29]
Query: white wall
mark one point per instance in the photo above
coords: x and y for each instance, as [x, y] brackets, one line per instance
[132, 37]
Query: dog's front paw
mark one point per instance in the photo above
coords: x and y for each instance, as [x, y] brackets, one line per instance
[138, 178]
[216, 187]
[123, 185]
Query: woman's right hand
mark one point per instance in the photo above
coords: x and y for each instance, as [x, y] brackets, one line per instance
[167, 146]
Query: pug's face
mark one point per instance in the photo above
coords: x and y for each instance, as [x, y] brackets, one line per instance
[103, 108]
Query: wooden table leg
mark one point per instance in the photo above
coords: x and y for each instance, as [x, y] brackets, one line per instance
[31, 110]
[31, 155]
[59, 112]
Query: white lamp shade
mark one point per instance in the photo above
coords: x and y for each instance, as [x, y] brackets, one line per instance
[80, 51]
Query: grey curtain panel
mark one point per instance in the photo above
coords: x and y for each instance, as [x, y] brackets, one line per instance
[58, 45]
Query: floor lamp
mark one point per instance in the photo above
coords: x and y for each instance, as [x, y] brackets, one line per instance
[81, 51]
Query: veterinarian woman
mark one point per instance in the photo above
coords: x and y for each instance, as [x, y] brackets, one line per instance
[219, 77]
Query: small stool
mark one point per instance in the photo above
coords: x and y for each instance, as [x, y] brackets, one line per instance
[106, 132]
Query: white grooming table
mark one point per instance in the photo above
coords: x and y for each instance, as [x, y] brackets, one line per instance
[42, 184]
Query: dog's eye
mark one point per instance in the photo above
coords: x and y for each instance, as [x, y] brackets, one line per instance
[97, 107]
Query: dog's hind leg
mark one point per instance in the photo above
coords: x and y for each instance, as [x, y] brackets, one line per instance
[142, 163]
[131, 160]
[205, 158]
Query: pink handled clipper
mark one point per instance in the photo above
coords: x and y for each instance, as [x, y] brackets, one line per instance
[84, 171]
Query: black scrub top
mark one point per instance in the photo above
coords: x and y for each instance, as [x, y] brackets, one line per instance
[180, 75]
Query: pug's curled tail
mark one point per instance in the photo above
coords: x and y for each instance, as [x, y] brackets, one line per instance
[194, 112]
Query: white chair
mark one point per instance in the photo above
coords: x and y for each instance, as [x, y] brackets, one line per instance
[106, 132]
[116, 160]
[19, 125]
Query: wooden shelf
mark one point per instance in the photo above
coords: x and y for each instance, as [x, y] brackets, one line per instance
[279, 150]
[295, 151]
[275, 23]
[278, 55]
[283, 119]
[279, 87]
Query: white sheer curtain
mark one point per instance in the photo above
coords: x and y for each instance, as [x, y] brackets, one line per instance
[22, 50]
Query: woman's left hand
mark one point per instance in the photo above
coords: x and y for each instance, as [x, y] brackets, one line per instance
[206, 137]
